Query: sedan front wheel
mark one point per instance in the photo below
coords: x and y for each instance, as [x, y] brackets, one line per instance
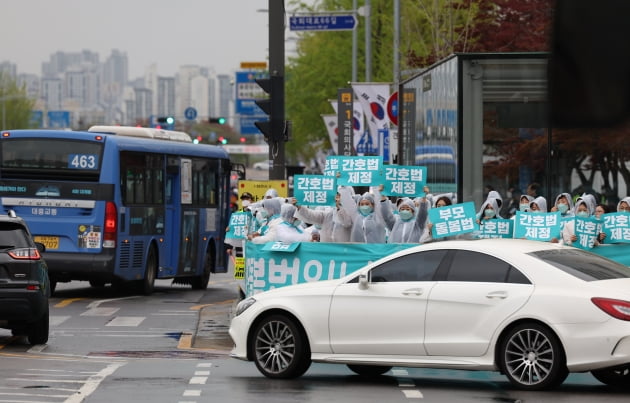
[532, 357]
[280, 348]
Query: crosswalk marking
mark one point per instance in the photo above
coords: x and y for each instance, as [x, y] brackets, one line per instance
[198, 380]
[57, 320]
[100, 311]
[126, 321]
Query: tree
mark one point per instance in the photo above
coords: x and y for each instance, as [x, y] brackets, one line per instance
[15, 106]
[512, 26]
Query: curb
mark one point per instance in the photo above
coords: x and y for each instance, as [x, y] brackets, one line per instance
[213, 325]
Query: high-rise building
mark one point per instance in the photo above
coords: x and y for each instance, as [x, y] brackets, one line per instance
[225, 95]
[150, 82]
[52, 93]
[200, 96]
[8, 68]
[183, 80]
[114, 77]
[144, 104]
[82, 85]
[165, 96]
[60, 62]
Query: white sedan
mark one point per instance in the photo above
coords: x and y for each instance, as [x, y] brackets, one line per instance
[534, 311]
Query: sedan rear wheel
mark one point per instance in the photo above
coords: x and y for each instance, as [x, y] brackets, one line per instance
[532, 358]
[280, 348]
[617, 377]
[369, 370]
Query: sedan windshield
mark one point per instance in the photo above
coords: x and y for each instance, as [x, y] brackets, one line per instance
[583, 265]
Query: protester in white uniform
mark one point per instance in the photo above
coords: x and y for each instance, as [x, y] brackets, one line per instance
[288, 230]
[410, 224]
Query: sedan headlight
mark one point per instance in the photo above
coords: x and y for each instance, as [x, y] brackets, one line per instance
[243, 305]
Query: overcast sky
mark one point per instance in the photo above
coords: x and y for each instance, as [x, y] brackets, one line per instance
[219, 34]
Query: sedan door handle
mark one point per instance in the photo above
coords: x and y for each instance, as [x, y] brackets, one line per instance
[497, 294]
[413, 291]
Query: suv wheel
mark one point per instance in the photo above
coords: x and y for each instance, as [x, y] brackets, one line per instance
[38, 332]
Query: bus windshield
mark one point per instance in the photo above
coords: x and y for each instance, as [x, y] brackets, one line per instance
[46, 158]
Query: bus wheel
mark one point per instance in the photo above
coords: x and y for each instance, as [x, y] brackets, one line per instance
[201, 282]
[147, 284]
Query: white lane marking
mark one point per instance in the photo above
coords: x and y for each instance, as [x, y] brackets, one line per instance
[404, 382]
[202, 373]
[57, 320]
[198, 380]
[204, 365]
[192, 392]
[100, 312]
[96, 304]
[131, 321]
[92, 383]
[412, 394]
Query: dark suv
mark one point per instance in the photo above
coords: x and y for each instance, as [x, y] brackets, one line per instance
[24, 284]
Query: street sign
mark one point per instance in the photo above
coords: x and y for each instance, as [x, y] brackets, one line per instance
[254, 65]
[322, 22]
[190, 113]
[58, 119]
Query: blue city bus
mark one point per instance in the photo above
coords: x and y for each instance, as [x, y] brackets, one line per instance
[120, 205]
[441, 167]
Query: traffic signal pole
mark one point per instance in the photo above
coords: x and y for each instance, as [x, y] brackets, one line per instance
[276, 69]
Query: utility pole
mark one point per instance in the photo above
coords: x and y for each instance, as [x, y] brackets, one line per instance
[276, 70]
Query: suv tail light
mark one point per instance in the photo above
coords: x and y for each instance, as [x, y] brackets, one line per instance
[110, 225]
[614, 307]
[24, 254]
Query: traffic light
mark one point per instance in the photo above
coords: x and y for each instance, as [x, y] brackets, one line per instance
[222, 140]
[219, 120]
[167, 122]
[273, 129]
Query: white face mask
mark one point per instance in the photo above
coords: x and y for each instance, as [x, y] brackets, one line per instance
[245, 203]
